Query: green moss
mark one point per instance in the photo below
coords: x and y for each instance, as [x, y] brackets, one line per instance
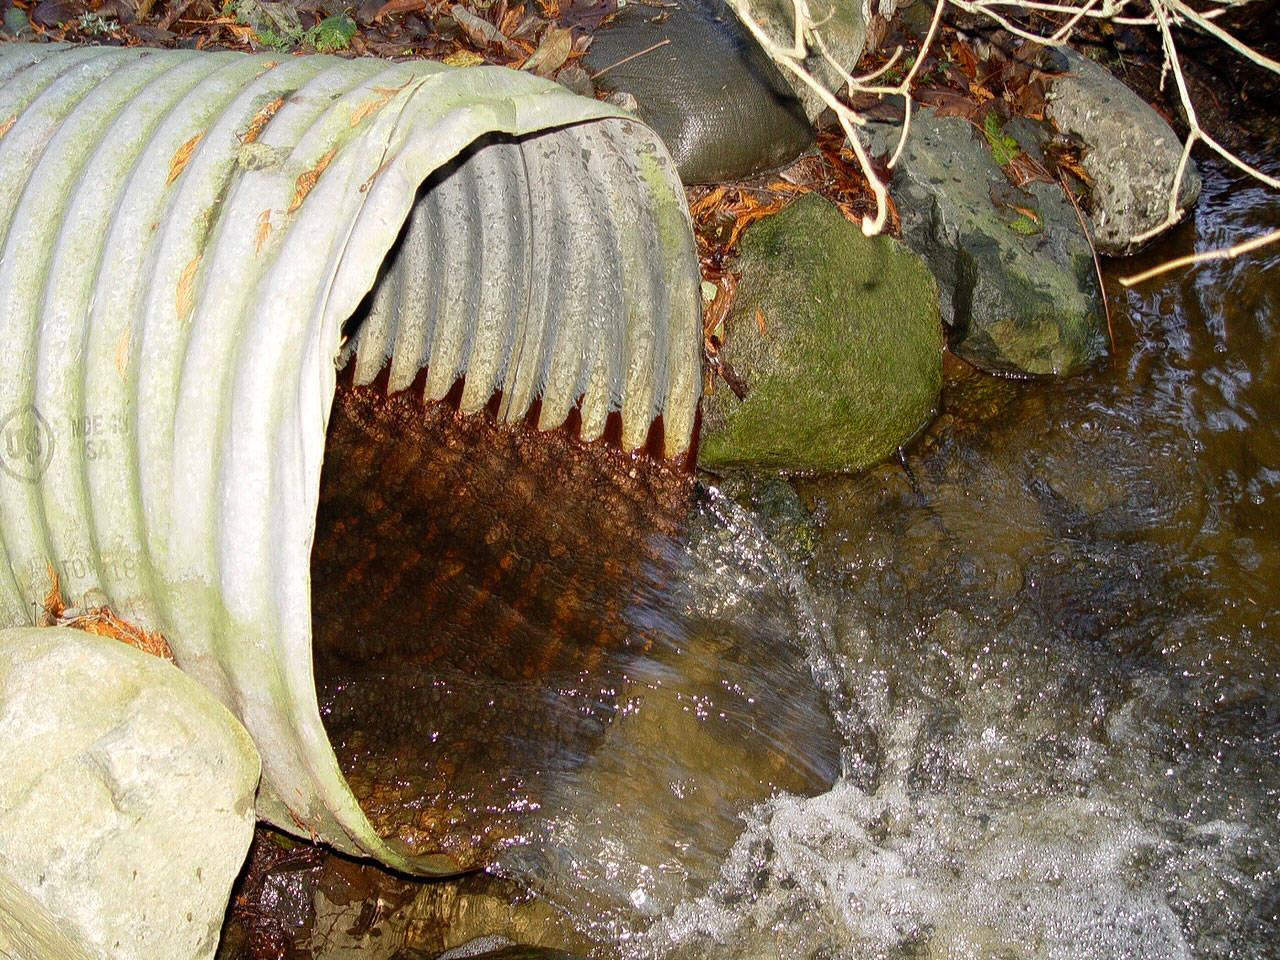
[848, 366]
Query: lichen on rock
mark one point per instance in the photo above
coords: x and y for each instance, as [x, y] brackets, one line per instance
[1132, 154]
[1018, 293]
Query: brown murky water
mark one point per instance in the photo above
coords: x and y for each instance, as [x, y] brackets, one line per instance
[1062, 620]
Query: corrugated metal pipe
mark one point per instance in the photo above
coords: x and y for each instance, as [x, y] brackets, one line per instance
[193, 243]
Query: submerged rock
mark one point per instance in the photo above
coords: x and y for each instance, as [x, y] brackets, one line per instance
[126, 806]
[1133, 154]
[836, 340]
[1018, 291]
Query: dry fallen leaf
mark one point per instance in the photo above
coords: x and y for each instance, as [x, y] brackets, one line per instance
[553, 50]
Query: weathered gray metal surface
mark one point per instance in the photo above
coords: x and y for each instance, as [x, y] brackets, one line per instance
[184, 238]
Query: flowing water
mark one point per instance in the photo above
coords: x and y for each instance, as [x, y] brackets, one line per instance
[1040, 659]
[1061, 620]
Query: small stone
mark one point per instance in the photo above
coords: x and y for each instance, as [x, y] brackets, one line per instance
[576, 79]
[623, 101]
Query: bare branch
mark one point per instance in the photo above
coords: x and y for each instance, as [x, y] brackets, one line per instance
[1163, 15]
[1193, 258]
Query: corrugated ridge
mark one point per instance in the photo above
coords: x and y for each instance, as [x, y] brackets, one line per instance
[38, 131]
[78, 257]
[529, 262]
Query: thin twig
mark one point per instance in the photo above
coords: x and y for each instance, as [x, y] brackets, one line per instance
[639, 53]
[1097, 264]
[1230, 253]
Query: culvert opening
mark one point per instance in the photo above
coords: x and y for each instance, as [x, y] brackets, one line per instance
[510, 630]
[513, 642]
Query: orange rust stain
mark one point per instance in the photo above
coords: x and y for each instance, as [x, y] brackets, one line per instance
[307, 179]
[264, 230]
[260, 120]
[185, 297]
[122, 354]
[4, 127]
[182, 157]
[366, 108]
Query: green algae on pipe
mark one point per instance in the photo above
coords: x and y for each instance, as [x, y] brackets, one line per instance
[192, 243]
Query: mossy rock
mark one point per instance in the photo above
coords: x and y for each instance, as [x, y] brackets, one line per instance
[1019, 292]
[843, 363]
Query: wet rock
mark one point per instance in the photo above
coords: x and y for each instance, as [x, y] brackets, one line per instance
[127, 801]
[778, 510]
[1133, 154]
[836, 341]
[1018, 293]
[297, 900]
[510, 951]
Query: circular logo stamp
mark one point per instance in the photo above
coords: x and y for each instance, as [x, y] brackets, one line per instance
[26, 444]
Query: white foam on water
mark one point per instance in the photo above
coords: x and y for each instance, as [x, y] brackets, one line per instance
[995, 862]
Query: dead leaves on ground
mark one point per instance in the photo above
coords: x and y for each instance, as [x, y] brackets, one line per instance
[543, 36]
[99, 621]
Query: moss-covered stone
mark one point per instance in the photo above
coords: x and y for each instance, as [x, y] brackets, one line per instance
[1018, 289]
[843, 363]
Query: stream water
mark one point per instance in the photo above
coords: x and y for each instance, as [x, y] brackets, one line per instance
[1062, 621]
[1017, 696]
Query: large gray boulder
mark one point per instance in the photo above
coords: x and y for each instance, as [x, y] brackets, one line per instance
[1133, 154]
[126, 801]
[842, 364]
[1019, 293]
